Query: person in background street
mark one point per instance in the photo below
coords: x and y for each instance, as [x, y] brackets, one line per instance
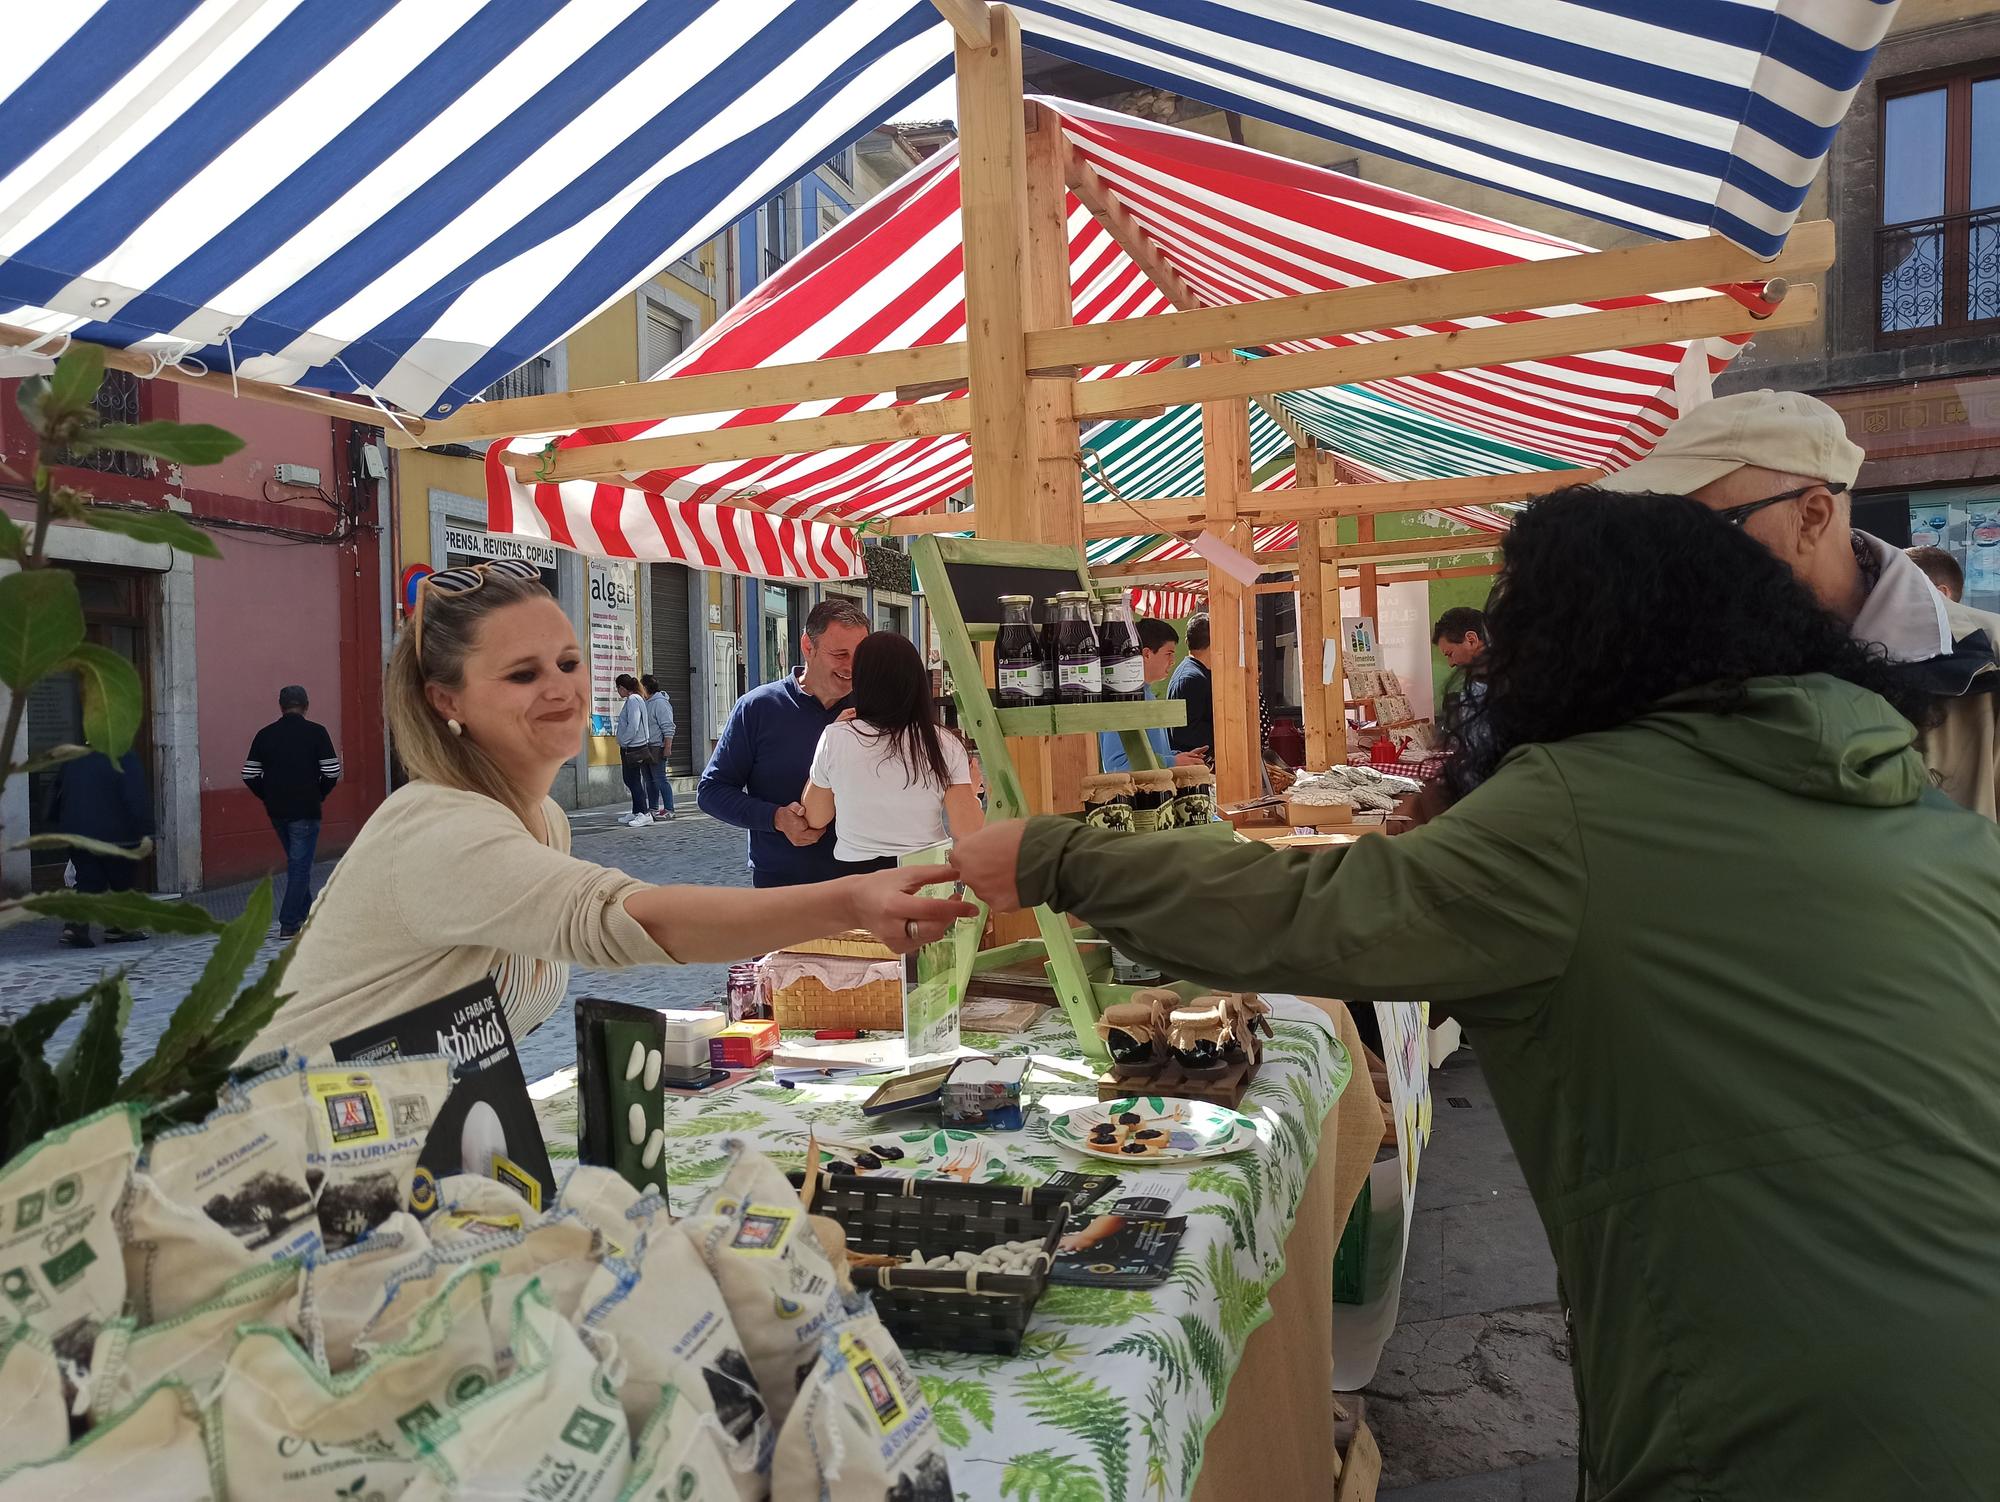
[291, 767]
[1460, 637]
[898, 782]
[1732, 969]
[96, 799]
[1158, 642]
[465, 874]
[1779, 464]
[661, 708]
[766, 751]
[1191, 682]
[1942, 570]
[636, 751]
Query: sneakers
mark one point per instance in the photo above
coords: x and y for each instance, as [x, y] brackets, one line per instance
[124, 936]
[77, 936]
[661, 815]
[626, 818]
[638, 821]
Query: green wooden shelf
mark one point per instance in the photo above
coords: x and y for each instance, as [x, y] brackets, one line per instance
[1089, 719]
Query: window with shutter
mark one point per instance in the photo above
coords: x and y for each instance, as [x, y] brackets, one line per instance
[663, 337]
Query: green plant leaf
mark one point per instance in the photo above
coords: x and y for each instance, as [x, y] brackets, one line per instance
[180, 442]
[195, 1020]
[169, 527]
[88, 1071]
[112, 698]
[34, 1107]
[29, 397]
[55, 756]
[39, 1023]
[74, 382]
[41, 623]
[13, 541]
[123, 910]
[136, 852]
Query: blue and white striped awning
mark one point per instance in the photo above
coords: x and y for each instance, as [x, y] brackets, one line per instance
[412, 197]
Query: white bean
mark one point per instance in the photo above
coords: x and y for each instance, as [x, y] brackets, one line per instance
[635, 1123]
[654, 1145]
[652, 1068]
[637, 1062]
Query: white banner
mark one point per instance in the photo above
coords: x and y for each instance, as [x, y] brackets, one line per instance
[614, 637]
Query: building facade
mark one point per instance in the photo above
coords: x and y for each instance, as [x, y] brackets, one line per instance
[706, 636]
[296, 597]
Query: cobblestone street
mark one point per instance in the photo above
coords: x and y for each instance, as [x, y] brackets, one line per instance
[693, 849]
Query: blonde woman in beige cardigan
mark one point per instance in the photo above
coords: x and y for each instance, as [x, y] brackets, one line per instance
[465, 872]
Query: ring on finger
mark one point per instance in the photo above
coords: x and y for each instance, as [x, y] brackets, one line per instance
[910, 929]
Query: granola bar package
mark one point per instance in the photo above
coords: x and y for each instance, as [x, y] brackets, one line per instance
[862, 1430]
[191, 1347]
[369, 1124]
[36, 1425]
[61, 1270]
[152, 1449]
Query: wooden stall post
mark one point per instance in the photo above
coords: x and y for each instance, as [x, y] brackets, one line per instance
[1225, 467]
[1320, 691]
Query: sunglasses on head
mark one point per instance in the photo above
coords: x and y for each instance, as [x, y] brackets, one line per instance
[1736, 516]
[455, 583]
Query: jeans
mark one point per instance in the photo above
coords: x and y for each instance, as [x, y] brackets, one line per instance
[661, 780]
[636, 773]
[103, 873]
[300, 837]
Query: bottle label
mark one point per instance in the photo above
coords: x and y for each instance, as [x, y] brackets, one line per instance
[1082, 675]
[1027, 679]
[1125, 675]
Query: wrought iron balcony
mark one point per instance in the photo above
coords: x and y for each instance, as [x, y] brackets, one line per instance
[1939, 273]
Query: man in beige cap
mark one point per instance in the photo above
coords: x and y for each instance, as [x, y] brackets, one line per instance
[1778, 464]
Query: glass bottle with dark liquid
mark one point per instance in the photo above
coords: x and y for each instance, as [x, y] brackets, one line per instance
[1051, 663]
[1020, 676]
[1120, 651]
[1079, 671]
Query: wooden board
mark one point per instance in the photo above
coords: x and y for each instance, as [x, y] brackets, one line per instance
[1225, 1089]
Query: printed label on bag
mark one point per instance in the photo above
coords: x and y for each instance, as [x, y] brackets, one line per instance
[518, 1179]
[876, 1390]
[353, 1106]
[764, 1230]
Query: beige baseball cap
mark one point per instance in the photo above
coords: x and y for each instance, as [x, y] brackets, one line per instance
[1785, 431]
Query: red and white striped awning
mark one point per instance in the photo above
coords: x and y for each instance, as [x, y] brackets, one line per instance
[1237, 224]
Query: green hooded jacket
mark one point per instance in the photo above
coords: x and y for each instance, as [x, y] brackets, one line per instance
[1734, 979]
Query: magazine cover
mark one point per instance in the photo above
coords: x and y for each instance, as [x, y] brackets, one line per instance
[487, 1125]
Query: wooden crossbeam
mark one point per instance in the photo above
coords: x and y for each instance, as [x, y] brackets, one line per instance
[1496, 344]
[969, 19]
[1349, 553]
[612, 462]
[1122, 227]
[1489, 291]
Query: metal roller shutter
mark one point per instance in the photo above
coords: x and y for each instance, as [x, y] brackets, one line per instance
[669, 660]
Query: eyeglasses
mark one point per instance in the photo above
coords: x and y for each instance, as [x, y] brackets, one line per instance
[455, 583]
[1736, 516]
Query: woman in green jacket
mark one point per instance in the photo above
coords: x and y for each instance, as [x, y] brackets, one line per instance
[1732, 968]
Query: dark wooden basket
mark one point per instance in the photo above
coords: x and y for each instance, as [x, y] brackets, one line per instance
[932, 1309]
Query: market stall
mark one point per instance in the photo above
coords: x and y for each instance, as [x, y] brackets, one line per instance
[1125, 1386]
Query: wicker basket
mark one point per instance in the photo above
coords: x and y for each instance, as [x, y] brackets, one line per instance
[931, 1309]
[806, 1005]
[856, 943]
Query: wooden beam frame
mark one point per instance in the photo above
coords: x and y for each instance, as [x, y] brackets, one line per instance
[969, 19]
[1462, 349]
[1489, 291]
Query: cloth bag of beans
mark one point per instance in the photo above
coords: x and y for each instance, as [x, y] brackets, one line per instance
[347, 1289]
[191, 1347]
[471, 1204]
[862, 1430]
[285, 1427]
[559, 1251]
[602, 1198]
[152, 1449]
[34, 1411]
[776, 1282]
[552, 1429]
[175, 1256]
[678, 1457]
[673, 1328]
[369, 1123]
[62, 1271]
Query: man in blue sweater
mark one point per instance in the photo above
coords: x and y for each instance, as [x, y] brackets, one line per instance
[758, 772]
[1158, 642]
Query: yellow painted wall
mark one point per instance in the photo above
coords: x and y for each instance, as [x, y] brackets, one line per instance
[418, 472]
[605, 351]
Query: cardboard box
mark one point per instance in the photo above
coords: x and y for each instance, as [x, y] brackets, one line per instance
[1318, 815]
[743, 1045]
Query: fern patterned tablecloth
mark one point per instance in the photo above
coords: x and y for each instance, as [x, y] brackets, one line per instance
[1113, 1392]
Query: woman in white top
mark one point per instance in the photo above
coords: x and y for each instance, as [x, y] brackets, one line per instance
[465, 874]
[895, 781]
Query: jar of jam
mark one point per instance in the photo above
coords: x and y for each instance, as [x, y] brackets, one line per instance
[1051, 659]
[1152, 792]
[1020, 677]
[1119, 649]
[747, 1002]
[1194, 796]
[1107, 801]
[1079, 671]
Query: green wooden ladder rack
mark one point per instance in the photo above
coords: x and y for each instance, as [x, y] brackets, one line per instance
[1082, 997]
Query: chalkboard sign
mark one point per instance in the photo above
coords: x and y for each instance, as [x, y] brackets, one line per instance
[978, 587]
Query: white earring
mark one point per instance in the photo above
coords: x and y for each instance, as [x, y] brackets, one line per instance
[456, 728]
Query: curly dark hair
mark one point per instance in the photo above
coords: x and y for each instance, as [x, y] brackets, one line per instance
[1606, 604]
